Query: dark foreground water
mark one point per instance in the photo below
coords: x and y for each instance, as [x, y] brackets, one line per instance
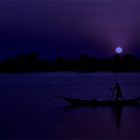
[29, 110]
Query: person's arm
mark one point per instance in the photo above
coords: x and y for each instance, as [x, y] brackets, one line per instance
[113, 88]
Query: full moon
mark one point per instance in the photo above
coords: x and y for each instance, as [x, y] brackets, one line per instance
[118, 50]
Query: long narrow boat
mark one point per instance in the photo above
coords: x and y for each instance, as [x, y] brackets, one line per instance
[94, 102]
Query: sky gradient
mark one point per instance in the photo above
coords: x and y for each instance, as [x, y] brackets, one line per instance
[69, 28]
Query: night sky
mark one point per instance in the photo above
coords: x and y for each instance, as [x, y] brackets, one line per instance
[69, 28]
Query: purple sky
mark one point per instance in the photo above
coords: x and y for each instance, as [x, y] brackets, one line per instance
[69, 28]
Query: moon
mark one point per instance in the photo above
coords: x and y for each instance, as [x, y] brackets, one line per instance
[119, 50]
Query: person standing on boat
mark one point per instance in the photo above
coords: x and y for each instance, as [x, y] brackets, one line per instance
[118, 92]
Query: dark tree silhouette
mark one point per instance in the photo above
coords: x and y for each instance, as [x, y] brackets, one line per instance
[32, 58]
[31, 63]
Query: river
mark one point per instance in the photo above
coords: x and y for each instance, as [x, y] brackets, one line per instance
[29, 110]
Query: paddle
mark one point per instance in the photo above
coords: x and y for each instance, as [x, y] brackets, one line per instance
[112, 96]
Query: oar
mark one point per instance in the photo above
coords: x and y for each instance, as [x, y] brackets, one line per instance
[112, 96]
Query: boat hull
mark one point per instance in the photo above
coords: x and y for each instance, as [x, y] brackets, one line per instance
[94, 102]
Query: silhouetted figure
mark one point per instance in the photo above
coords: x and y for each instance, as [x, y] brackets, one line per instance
[118, 92]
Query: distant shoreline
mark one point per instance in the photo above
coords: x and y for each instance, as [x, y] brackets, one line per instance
[84, 64]
[86, 72]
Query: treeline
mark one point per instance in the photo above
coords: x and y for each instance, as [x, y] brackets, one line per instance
[32, 63]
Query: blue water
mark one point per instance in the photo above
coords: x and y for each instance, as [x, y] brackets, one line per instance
[28, 108]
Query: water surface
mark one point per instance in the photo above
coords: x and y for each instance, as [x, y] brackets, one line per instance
[29, 110]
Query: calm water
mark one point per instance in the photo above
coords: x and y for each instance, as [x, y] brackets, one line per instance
[29, 110]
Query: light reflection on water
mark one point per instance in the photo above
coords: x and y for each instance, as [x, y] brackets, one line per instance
[29, 109]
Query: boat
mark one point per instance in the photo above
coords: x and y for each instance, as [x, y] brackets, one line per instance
[94, 102]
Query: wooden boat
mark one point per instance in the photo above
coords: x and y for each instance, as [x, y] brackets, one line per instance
[94, 102]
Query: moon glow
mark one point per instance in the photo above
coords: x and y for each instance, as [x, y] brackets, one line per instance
[119, 50]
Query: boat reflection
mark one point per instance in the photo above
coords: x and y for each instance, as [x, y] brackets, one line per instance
[117, 113]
